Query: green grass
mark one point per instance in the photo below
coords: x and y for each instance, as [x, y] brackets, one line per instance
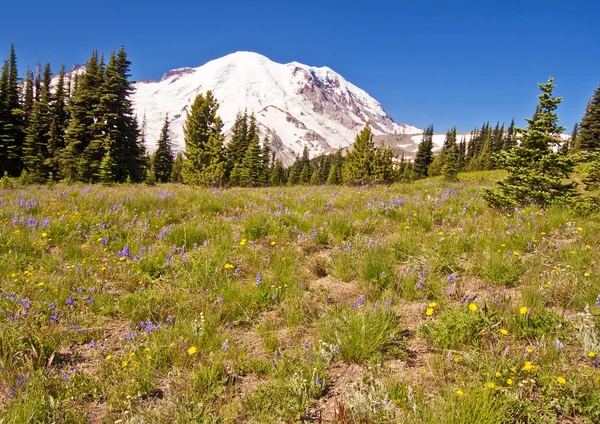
[176, 304]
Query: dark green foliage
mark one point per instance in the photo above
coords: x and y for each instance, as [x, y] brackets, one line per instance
[424, 156]
[592, 180]
[162, 160]
[335, 172]
[58, 126]
[203, 136]
[176, 174]
[305, 168]
[589, 131]
[251, 164]
[35, 149]
[510, 140]
[82, 129]
[357, 169]
[536, 174]
[12, 118]
[278, 175]
[383, 166]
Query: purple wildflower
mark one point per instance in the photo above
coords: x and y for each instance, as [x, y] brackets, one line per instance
[559, 345]
[225, 346]
[259, 278]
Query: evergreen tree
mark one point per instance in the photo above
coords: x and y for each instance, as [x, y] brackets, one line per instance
[251, 164]
[236, 148]
[424, 155]
[105, 173]
[81, 130]
[116, 124]
[571, 143]
[202, 130]
[450, 156]
[306, 168]
[265, 158]
[58, 126]
[335, 172]
[277, 174]
[28, 99]
[11, 135]
[589, 130]
[176, 174]
[35, 149]
[162, 160]
[383, 166]
[357, 169]
[536, 174]
[509, 140]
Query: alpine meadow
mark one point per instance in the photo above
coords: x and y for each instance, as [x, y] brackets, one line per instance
[188, 259]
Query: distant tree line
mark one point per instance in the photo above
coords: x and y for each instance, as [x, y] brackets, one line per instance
[80, 126]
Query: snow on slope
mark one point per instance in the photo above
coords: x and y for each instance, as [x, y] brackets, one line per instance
[298, 105]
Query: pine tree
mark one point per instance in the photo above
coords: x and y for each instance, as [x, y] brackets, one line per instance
[117, 126]
[449, 156]
[569, 145]
[589, 129]
[106, 168]
[424, 155]
[11, 133]
[277, 174]
[509, 140]
[265, 158]
[81, 131]
[536, 174]
[35, 149]
[305, 168]
[176, 174]
[28, 98]
[236, 148]
[58, 126]
[203, 162]
[162, 160]
[357, 168]
[383, 166]
[251, 169]
[335, 172]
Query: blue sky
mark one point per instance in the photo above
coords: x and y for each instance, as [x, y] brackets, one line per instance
[443, 62]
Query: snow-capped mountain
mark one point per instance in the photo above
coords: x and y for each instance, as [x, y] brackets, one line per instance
[296, 104]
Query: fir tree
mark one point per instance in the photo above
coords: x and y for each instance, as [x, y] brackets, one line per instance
[117, 125]
[305, 168]
[265, 159]
[203, 142]
[162, 160]
[536, 174]
[58, 126]
[335, 172]
[383, 166]
[359, 161]
[589, 129]
[424, 155]
[236, 148]
[28, 99]
[176, 174]
[449, 156]
[81, 130]
[251, 169]
[35, 149]
[11, 135]
[509, 140]
[277, 177]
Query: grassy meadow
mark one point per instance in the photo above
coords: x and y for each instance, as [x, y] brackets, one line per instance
[410, 303]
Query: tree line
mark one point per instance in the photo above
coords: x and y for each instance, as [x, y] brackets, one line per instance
[80, 126]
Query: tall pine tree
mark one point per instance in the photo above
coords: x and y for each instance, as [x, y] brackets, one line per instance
[162, 160]
[357, 168]
[424, 155]
[537, 174]
[589, 130]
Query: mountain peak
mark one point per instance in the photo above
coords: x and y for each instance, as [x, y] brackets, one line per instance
[296, 104]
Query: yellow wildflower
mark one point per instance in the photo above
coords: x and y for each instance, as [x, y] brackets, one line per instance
[228, 266]
[579, 229]
[523, 310]
[460, 392]
[491, 385]
[243, 242]
[498, 374]
[503, 331]
[509, 381]
[591, 354]
[108, 357]
[473, 307]
[192, 350]
[432, 305]
[272, 243]
[124, 364]
[527, 367]
[561, 380]
[429, 312]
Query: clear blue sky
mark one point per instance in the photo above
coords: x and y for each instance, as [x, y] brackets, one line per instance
[443, 62]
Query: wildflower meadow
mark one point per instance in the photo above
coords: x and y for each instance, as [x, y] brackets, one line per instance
[412, 303]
